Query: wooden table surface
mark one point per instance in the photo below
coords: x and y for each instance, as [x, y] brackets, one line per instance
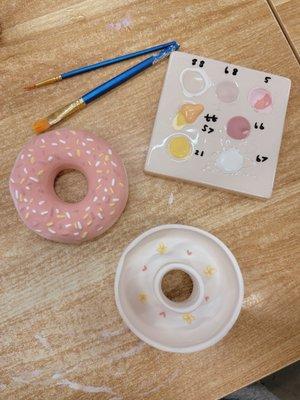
[61, 335]
[287, 13]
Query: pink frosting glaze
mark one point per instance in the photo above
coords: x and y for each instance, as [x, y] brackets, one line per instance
[32, 185]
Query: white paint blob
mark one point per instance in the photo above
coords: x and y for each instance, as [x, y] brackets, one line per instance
[109, 334]
[171, 199]
[27, 377]
[43, 341]
[193, 82]
[230, 160]
[126, 354]
[2, 386]
[82, 388]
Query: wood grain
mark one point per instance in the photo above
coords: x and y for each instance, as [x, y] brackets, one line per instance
[61, 335]
[288, 12]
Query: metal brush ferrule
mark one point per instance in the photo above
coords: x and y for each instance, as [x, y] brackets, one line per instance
[48, 81]
[65, 111]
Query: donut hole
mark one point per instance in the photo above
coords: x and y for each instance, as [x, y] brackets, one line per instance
[71, 185]
[177, 285]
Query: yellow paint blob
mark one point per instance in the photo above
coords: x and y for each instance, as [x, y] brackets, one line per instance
[179, 146]
[179, 121]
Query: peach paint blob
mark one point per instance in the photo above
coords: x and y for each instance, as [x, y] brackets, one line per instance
[260, 99]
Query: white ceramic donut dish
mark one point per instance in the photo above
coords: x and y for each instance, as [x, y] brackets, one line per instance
[196, 323]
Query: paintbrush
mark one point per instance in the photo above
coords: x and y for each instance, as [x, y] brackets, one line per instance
[43, 124]
[100, 64]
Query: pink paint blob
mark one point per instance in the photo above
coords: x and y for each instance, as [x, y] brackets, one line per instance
[238, 128]
[260, 99]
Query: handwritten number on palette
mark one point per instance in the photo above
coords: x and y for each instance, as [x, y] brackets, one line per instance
[261, 158]
[197, 153]
[207, 129]
[209, 118]
[267, 78]
[234, 71]
[261, 126]
[201, 63]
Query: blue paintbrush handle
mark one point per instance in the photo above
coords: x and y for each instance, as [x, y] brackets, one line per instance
[129, 73]
[111, 61]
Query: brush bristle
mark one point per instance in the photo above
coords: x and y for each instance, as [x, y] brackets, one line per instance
[29, 87]
[41, 125]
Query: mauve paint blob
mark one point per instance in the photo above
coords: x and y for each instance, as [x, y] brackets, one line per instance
[238, 128]
[227, 91]
[260, 99]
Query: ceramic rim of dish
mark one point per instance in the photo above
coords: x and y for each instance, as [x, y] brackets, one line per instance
[222, 332]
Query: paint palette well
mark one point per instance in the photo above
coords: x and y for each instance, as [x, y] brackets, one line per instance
[218, 124]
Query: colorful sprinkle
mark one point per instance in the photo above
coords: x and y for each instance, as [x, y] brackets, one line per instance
[161, 248]
[209, 271]
[188, 318]
[143, 297]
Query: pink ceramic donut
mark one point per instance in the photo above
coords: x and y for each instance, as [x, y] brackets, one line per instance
[32, 185]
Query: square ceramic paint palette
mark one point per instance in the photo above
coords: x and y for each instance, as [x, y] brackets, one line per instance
[219, 125]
